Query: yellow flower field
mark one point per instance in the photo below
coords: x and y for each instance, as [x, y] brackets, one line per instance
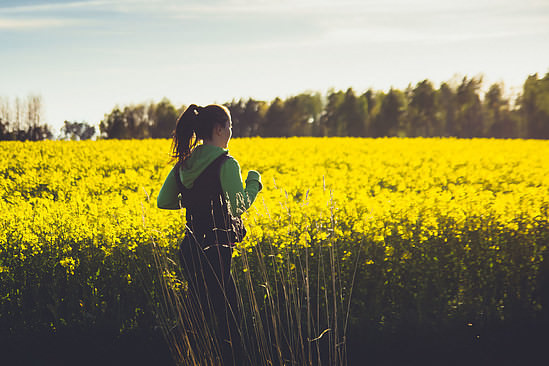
[72, 213]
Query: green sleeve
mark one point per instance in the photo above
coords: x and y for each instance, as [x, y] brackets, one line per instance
[168, 195]
[239, 198]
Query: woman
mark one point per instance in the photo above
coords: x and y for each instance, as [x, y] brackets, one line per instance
[206, 181]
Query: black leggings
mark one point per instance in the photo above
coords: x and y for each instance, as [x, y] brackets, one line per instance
[214, 295]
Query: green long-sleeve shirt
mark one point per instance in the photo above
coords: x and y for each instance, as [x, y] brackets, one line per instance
[239, 198]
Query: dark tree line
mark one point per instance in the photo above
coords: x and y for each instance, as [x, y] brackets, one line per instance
[459, 110]
[152, 120]
[456, 109]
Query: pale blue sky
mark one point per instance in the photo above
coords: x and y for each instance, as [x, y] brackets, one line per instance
[85, 57]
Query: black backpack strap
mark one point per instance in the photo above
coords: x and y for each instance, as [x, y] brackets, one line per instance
[217, 163]
[177, 173]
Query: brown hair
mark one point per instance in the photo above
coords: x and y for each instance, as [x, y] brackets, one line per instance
[195, 124]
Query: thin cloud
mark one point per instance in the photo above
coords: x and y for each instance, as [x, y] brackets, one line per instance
[389, 35]
[34, 23]
[46, 16]
[52, 7]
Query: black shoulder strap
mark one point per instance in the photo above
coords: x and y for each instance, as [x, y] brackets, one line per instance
[177, 172]
[217, 163]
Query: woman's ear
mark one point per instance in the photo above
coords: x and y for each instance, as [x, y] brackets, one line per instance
[218, 130]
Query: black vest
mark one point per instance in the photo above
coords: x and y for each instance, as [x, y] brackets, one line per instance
[208, 216]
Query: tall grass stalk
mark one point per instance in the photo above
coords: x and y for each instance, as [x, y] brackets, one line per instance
[291, 297]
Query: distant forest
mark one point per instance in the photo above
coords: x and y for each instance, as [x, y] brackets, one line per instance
[455, 109]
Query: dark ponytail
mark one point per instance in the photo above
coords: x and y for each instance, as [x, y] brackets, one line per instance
[184, 138]
[195, 124]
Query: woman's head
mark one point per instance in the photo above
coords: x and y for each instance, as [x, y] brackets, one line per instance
[212, 124]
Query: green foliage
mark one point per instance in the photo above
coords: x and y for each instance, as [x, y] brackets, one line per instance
[140, 121]
[456, 109]
[535, 106]
[77, 130]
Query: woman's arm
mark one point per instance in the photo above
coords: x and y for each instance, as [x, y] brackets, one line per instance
[239, 198]
[168, 195]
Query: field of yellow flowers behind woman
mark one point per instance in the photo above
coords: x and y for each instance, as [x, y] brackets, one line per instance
[431, 232]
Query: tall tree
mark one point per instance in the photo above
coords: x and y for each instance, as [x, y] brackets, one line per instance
[302, 112]
[333, 122]
[387, 122]
[248, 117]
[469, 122]
[254, 117]
[137, 121]
[275, 120]
[34, 115]
[162, 119]
[498, 118]
[23, 121]
[77, 130]
[5, 119]
[534, 106]
[373, 101]
[422, 111]
[355, 111]
[447, 109]
[4, 130]
[114, 126]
